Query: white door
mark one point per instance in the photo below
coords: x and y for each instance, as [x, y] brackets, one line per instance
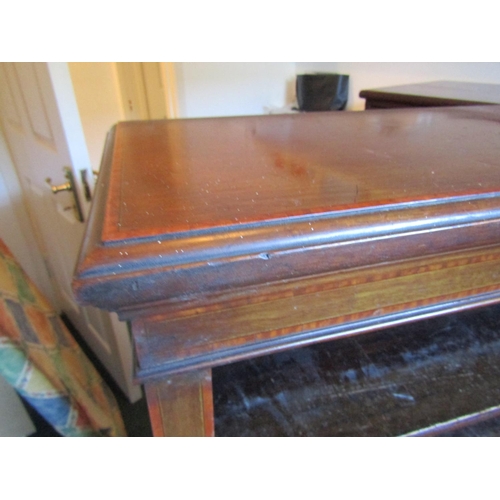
[43, 130]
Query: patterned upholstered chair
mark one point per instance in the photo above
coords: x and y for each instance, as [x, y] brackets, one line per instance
[43, 362]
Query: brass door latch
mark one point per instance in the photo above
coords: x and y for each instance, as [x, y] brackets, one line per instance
[68, 186]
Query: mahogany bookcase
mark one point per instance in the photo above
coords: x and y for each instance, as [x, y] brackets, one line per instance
[225, 239]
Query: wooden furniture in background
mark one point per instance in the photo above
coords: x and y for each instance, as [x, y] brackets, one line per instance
[229, 238]
[440, 93]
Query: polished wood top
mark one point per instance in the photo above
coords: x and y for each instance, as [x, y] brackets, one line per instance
[170, 177]
[191, 206]
[437, 93]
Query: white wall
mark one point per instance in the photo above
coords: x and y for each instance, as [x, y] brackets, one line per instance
[229, 89]
[373, 75]
[14, 419]
[225, 89]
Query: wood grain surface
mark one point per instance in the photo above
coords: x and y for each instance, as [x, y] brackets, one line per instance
[183, 175]
[334, 185]
[297, 312]
[182, 405]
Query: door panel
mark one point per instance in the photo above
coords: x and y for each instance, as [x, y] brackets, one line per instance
[9, 107]
[42, 142]
[27, 78]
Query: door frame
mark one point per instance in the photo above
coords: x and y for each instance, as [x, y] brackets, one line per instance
[136, 91]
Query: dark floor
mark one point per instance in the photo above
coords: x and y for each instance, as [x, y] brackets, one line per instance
[386, 383]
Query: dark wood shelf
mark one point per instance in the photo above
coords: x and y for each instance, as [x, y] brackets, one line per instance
[432, 94]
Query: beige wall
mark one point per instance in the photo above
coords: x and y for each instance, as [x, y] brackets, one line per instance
[98, 97]
[224, 89]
